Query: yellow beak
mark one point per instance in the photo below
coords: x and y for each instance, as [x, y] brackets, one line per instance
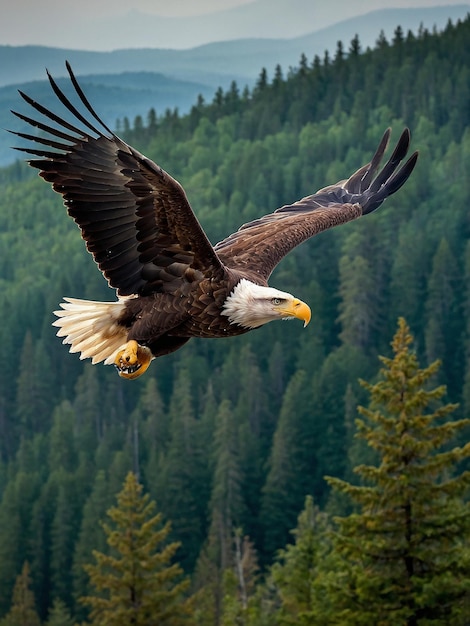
[297, 309]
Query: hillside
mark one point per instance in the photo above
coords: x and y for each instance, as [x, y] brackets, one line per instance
[218, 63]
[273, 411]
[116, 96]
[129, 82]
[113, 27]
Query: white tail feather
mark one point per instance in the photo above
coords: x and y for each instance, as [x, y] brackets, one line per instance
[91, 328]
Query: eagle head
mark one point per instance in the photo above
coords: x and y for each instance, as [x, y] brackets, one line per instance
[250, 305]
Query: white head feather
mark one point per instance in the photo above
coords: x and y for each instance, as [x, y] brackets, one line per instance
[251, 305]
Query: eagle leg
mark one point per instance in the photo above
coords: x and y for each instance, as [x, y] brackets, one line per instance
[132, 360]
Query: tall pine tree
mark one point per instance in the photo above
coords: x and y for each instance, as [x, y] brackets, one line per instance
[23, 610]
[296, 573]
[405, 553]
[136, 584]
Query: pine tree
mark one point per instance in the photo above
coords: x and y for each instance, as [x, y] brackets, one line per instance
[239, 583]
[64, 530]
[443, 334]
[15, 525]
[42, 515]
[33, 386]
[23, 610]
[329, 417]
[59, 615]
[88, 409]
[91, 536]
[62, 451]
[358, 306]
[290, 466]
[179, 484]
[226, 597]
[136, 585]
[295, 575]
[225, 510]
[466, 311]
[405, 555]
[226, 503]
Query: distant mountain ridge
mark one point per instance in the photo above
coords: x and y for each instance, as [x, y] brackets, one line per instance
[110, 27]
[114, 96]
[217, 64]
[128, 82]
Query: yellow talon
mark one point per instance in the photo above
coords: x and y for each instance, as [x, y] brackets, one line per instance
[132, 360]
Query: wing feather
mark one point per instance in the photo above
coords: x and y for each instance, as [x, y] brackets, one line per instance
[258, 246]
[133, 216]
[136, 219]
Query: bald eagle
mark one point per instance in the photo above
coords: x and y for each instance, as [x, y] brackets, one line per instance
[171, 282]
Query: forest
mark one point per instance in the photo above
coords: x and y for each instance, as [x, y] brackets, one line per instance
[233, 439]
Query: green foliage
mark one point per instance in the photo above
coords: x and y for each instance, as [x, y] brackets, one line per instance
[91, 536]
[226, 582]
[290, 466]
[406, 559]
[297, 572]
[239, 583]
[59, 615]
[22, 612]
[135, 583]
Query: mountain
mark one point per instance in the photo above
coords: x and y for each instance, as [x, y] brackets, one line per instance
[114, 96]
[219, 63]
[95, 26]
[124, 83]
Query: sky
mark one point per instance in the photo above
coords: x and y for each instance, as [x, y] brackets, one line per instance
[60, 22]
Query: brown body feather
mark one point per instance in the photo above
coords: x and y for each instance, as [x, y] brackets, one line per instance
[138, 225]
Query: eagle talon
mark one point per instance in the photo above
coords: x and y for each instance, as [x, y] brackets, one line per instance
[132, 360]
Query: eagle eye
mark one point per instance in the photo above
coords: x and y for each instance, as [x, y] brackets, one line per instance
[277, 301]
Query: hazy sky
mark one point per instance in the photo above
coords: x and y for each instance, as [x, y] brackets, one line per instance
[54, 22]
[18, 10]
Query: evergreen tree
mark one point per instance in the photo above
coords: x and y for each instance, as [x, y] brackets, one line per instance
[136, 585]
[443, 334]
[33, 386]
[91, 536]
[153, 423]
[297, 573]
[291, 466]
[88, 410]
[226, 597]
[179, 486]
[408, 275]
[225, 509]
[357, 302]
[239, 583]
[59, 615]
[262, 82]
[42, 515]
[405, 553]
[328, 417]
[64, 529]
[226, 502]
[355, 46]
[23, 610]
[62, 453]
[15, 525]
[466, 387]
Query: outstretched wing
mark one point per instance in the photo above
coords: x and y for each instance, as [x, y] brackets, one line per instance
[134, 217]
[258, 246]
